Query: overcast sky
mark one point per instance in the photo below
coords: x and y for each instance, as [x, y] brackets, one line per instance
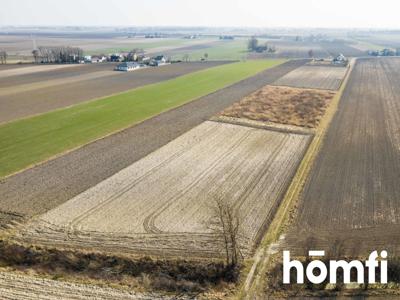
[249, 13]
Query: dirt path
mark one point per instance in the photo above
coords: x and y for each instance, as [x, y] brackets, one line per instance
[32, 98]
[44, 187]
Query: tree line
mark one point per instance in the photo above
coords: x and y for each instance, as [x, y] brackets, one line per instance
[58, 55]
[254, 46]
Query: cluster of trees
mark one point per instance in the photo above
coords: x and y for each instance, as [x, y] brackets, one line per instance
[59, 55]
[3, 57]
[226, 224]
[254, 46]
[136, 54]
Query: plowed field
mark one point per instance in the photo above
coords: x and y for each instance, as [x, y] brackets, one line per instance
[162, 203]
[351, 201]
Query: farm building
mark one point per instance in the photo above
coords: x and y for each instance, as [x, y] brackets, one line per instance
[340, 60]
[128, 66]
[158, 61]
[98, 59]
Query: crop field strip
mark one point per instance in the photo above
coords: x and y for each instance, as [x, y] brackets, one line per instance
[76, 70]
[351, 200]
[31, 69]
[314, 77]
[50, 184]
[26, 95]
[162, 203]
[50, 134]
[23, 287]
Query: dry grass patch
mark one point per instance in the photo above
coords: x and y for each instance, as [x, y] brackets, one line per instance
[285, 105]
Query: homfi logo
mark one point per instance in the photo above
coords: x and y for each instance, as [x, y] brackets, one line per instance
[318, 267]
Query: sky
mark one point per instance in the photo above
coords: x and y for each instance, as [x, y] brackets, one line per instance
[210, 13]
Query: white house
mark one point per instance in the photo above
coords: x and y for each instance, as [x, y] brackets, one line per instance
[128, 66]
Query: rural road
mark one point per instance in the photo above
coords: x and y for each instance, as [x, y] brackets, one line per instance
[50, 184]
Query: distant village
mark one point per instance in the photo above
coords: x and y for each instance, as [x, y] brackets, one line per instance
[129, 61]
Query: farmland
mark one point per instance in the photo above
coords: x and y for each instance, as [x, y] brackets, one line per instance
[39, 92]
[219, 50]
[170, 194]
[283, 105]
[54, 182]
[18, 286]
[29, 141]
[21, 45]
[351, 199]
[314, 77]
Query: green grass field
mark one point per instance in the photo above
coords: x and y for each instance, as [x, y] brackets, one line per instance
[223, 50]
[29, 141]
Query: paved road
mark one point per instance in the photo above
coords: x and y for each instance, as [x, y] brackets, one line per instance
[44, 187]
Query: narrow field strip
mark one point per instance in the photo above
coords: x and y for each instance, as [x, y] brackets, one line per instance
[5, 91]
[29, 141]
[20, 286]
[314, 77]
[32, 69]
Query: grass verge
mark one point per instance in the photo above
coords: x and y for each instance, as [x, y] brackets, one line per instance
[26, 142]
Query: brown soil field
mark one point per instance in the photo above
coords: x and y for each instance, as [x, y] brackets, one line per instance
[31, 69]
[300, 49]
[162, 203]
[21, 44]
[18, 286]
[60, 73]
[284, 105]
[52, 183]
[28, 97]
[351, 199]
[314, 77]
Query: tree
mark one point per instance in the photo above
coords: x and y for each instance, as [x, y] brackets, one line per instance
[35, 54]
[311, 53]
[206, 56]
[226, 224]
[252, 44]
[186, 57]
[3, 57]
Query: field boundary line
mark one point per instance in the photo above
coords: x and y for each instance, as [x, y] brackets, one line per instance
[251, 285]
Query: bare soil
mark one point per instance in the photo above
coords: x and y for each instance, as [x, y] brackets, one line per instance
[351, 200]
[315, 77]
[162, 203]
[14, 285]
[284, 105]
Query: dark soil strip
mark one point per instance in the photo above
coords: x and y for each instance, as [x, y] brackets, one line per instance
[44, 187]
[351, 200]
